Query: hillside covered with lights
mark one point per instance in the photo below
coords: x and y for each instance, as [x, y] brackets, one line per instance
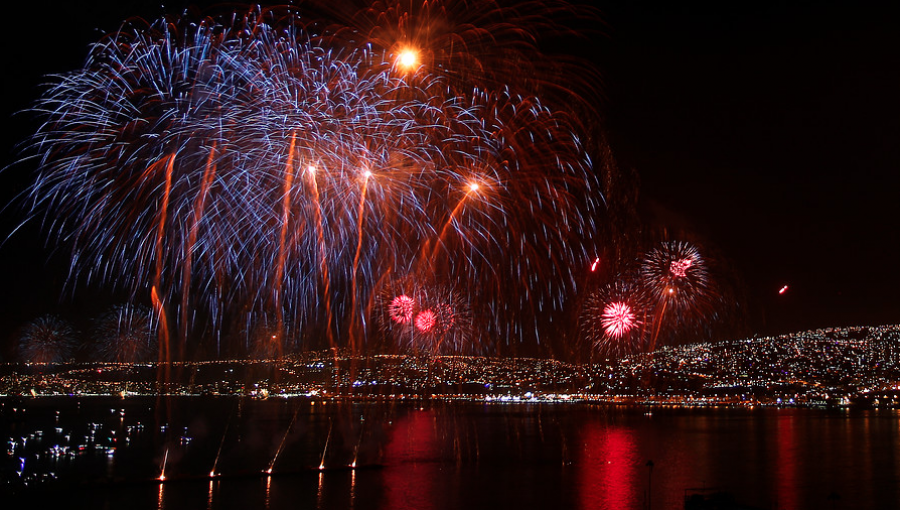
[833, 366]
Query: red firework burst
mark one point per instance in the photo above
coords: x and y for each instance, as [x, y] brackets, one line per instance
[425, 317]
[618, 319]
[676, 269]
[679, 268]
[401, 309]
[425, 320]
[613, 319]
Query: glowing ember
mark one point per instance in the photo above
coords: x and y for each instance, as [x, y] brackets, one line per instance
[783, 289]
[617, 319]
[595, 264]
[401, 309]
[679, 268]
[408, 59]
[425, 321]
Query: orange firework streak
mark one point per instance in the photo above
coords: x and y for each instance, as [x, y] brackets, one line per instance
[199, 204]
[354, 333]
[320, 232]
[165, 353]
[165, 356]
[440, 239]
[659, 320]
[282, 248]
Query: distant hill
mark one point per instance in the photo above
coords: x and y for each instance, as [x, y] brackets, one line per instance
[835, 366]
[818, 365]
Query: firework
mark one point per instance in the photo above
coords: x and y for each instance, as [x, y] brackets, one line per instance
[479, 44]
[429, 318]
[425, 321]
[618, 318]
[255, 164]
[676, 276]
[126, 334]
[676, 273]
[401, 309]
[613, 319]
[47, 339]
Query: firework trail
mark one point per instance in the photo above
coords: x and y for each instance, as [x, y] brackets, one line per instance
[253, 164]
[47, 339]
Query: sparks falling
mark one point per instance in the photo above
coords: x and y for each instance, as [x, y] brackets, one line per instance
[175, 151]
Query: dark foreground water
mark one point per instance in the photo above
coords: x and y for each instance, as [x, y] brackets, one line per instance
[102, 453]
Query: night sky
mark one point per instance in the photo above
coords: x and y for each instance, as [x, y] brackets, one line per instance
[772, 132]
[769, 133]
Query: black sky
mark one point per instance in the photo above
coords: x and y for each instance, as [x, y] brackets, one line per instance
[770, 131]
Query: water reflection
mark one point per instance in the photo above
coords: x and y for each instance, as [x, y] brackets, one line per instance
[209, 499]
[412, 462]
[786, 463]
[161, 499]
[437, 456]
[320, 493]
[607, 467]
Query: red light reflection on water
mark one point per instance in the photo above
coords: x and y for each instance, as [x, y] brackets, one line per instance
[608, 468]
[411, 454]
[786, 471]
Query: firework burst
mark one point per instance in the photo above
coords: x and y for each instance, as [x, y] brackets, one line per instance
[47, 339]
[675, 268]
[613, 319]
[126, 334]
[401, 309]
[253, 163]
[676, 276]
[618, 318]
[427, 318]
